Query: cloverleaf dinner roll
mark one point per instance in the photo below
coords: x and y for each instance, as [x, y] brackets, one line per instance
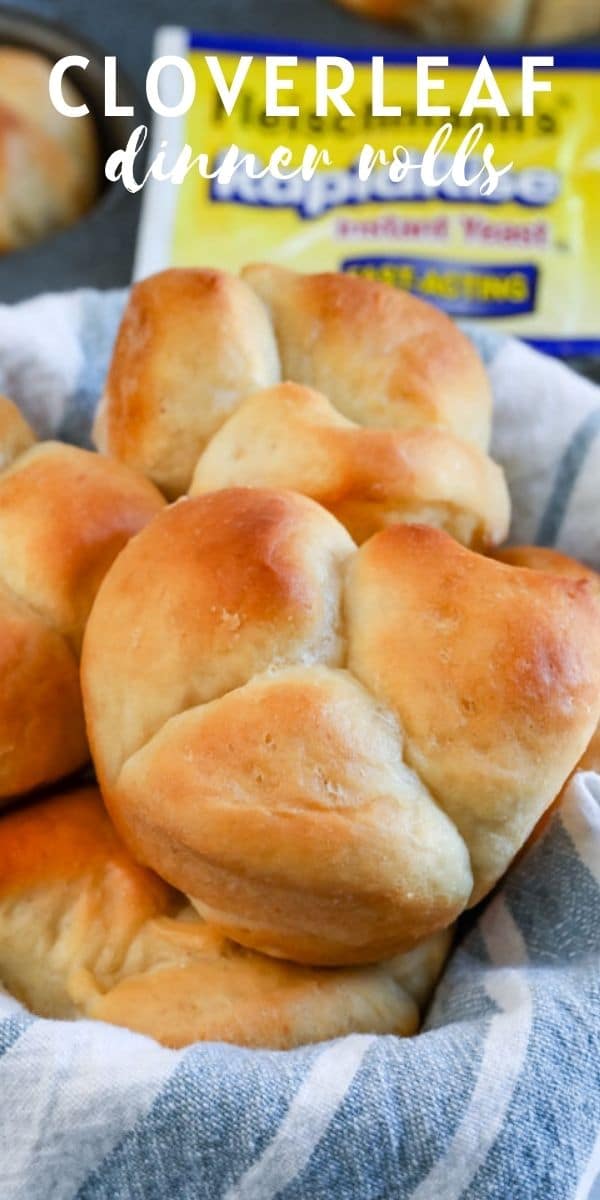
[64, 515]
[385, 415]
[382, 357]
[331, 751]
[551, 562]
[291, 436]
[86, 931]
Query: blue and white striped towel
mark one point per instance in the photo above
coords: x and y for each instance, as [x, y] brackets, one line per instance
[499, 1098]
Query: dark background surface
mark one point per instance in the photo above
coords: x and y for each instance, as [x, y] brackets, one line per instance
[127, 28]
[99, 250]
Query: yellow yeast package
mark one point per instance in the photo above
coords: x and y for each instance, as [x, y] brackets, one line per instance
[525, 260]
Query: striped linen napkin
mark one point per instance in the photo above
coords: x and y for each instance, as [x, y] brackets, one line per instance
[499, 1097]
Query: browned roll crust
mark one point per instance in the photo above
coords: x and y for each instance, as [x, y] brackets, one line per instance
[48, 163]
[191, 345]
[86, 931]
[553, 562]
[590, 761]
[383, 358]
[64, 515]
[292, 437]
[497, 723]
[42, 732]
[398, 433]
[332, 752]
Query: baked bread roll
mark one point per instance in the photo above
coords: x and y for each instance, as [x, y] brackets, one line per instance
[399, 432]
[383, 358]
[290, 436]
[191, 345]
[331, 752]
[498, 21]
[85, 931]
[64, 515]
[49, 164]
[553, 562]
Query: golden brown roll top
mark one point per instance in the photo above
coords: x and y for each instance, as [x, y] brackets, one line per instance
[493, 672]
[383, 358]
[239, 585]
[553, 562]
[86, 931]
[290, 436]
[331, 752]
[65, 514]
[191, 345]
[397, 431]
[42, 732]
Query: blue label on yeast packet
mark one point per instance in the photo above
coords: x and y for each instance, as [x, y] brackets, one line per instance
[463, 289]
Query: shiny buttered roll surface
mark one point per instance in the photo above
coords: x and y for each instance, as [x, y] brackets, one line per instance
[400, 429]
[64, 515]
[86, 931]
[331, 751]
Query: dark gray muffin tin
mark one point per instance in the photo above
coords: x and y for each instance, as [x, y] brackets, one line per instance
[97, 250]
